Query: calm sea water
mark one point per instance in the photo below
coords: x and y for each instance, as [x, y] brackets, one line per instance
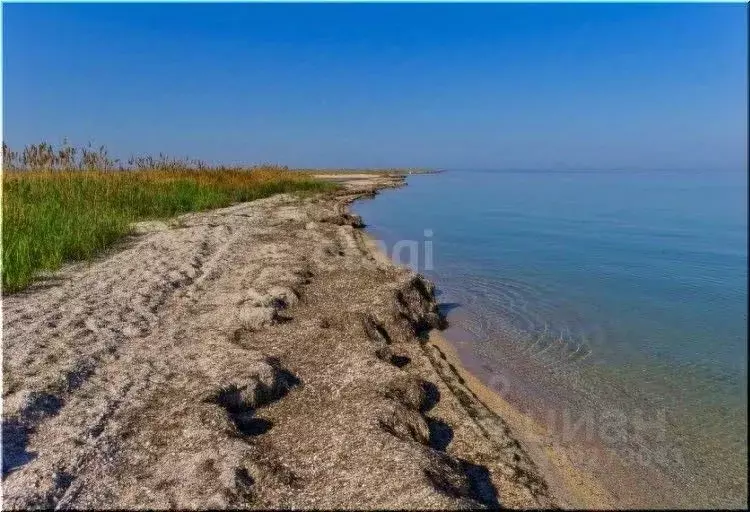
[620, 297]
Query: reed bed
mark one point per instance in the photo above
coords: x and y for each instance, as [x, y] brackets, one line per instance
[57, 210]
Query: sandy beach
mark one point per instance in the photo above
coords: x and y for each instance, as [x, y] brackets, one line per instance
[262, 356]
[354, 256]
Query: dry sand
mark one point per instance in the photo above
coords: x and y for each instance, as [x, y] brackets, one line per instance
[262, 356]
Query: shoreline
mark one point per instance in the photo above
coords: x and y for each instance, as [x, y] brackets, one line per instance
[584, 468]
[572, 487]
[257, 355]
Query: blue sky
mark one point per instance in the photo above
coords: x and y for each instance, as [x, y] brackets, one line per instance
[450, 85]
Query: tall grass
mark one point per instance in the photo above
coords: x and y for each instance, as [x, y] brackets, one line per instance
[54, 215]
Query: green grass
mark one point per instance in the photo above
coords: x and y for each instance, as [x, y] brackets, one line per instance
[56, 216]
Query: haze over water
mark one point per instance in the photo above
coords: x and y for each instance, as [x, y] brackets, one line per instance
[591, 292]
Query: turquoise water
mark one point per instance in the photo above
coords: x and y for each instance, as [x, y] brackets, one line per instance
[598, 291]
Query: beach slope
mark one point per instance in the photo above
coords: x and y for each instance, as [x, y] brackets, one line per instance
[261, 355]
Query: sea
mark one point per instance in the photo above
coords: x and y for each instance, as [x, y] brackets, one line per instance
[609, 305]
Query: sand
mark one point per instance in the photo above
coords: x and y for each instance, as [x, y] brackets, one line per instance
[256, 356]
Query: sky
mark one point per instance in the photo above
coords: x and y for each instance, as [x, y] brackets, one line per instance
[491, 86]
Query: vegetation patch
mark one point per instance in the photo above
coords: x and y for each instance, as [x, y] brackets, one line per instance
[69, 204]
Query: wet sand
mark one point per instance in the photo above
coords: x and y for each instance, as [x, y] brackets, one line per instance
[572, 487]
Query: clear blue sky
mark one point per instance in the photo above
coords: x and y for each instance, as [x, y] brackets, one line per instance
[456, 86]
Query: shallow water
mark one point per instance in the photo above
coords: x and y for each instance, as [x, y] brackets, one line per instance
[613, 298]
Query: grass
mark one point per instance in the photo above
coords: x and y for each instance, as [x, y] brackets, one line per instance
[53, 216]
